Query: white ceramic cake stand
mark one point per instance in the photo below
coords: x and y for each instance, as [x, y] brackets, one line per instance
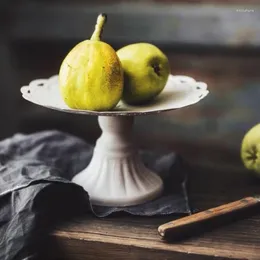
[116, 176]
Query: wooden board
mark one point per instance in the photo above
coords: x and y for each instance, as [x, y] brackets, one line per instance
[131, 237]
[163, 24]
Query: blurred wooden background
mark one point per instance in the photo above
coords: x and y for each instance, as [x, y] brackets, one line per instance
[217, 42]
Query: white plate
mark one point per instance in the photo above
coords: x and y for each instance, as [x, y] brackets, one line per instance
[180, 91]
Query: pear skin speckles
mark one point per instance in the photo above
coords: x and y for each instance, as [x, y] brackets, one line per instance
[91, 77]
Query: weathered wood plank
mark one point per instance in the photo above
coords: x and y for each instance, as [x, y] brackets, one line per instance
[206, 25]
[74, 249]
[238, 240]
[236, 243]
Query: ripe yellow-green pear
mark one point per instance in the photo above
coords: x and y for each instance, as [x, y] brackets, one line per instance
[91, 75]
[146, 71]
[250, 150]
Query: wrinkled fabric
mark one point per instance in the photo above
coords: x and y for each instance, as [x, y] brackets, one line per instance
[36, 189]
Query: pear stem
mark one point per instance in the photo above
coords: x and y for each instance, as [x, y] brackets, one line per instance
[101, 20]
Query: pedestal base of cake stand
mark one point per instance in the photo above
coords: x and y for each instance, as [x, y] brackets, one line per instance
[116, 176]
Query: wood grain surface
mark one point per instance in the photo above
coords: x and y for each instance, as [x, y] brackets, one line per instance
[195, 223]
[131, 237]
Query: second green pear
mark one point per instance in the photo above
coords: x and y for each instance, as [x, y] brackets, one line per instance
[146, 71]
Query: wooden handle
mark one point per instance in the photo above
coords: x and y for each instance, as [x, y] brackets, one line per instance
[187, 225]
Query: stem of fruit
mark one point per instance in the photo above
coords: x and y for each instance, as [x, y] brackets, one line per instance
[101, 20]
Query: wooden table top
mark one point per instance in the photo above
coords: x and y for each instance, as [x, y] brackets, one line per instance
[130, 237]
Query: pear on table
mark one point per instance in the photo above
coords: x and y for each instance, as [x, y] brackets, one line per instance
[250, 150]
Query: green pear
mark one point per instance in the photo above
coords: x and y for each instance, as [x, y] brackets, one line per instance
[250, 149]
[91, 76]
[146, 70]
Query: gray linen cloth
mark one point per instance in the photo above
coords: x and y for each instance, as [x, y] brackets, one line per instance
[36, 191]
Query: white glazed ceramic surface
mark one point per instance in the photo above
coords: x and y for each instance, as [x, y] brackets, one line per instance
[180, 91]
[116, 176]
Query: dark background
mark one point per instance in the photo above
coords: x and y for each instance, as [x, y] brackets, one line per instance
[213, 41]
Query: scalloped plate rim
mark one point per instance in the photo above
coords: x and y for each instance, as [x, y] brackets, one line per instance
[204, 91]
